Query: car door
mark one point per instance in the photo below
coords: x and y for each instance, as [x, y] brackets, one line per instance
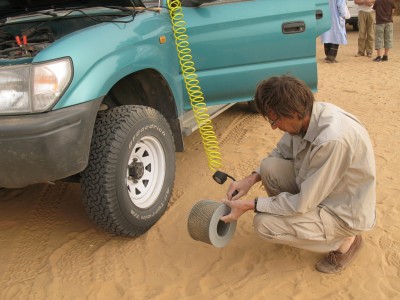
[237, 43]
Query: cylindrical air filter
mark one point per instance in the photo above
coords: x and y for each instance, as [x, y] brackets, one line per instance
[204, 223]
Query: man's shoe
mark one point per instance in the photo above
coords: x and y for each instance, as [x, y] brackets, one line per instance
[377, 59]
[385, 58]
[369, 55]
[335, 261]
[359, 54]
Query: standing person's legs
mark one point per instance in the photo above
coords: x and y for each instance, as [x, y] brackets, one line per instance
[332, 53]
[327, 46]
[379, 39]
[370, 33]
[362, 31]
[388, 40]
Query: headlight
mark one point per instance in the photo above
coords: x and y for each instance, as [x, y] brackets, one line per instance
[33, 88]
[49, 82]
[14, 89]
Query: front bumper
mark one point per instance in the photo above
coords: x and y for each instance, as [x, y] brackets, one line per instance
[47, 146]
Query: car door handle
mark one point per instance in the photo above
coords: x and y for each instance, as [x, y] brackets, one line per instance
[319, 14]
[293, 27]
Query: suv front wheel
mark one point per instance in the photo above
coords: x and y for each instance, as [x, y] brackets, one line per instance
[130, 175]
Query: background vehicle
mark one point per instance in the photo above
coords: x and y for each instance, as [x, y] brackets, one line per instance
[353, 21]
[93, 90]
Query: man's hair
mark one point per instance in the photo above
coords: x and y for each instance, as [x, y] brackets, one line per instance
[283, 95]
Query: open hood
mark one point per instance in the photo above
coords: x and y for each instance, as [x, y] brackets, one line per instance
[9, 8]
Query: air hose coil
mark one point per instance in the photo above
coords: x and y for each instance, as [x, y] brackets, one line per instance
[196, 97]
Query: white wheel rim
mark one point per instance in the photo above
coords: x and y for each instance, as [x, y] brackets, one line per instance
[144, 191]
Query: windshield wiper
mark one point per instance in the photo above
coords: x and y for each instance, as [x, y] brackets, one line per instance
[23, 13]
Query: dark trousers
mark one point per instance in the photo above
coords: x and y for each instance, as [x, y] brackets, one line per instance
[331, 50]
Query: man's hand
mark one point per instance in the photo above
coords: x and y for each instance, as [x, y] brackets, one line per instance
[242, 186]
[238, 208]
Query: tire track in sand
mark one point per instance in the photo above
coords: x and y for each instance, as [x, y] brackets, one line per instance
[237, 130]
[235, 134]
[31, 249]
[93, 258]
[73, 261]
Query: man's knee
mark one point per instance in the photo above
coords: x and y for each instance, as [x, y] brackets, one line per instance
[260, 222]
[258, 225]
[278, 176]
[271, 166]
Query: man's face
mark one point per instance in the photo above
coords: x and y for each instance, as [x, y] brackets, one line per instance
[293, 125]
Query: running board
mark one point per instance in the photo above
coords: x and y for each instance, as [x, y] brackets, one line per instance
[189, 123]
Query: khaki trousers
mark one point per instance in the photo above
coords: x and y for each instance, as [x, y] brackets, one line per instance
[366, 32]
[316, 230]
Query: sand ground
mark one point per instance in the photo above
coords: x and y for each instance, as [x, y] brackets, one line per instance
[49, 248]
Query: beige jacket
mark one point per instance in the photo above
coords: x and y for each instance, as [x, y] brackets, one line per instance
[334, 166]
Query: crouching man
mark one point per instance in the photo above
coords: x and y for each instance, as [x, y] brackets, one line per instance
[320, 178]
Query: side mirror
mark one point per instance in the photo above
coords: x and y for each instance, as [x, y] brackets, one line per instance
[195, 3]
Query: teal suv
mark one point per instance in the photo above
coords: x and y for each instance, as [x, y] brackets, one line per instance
[93, 90]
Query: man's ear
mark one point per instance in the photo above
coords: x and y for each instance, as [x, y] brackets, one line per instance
[298, 116]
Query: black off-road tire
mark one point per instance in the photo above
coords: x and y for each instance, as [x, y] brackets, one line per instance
[131, 171]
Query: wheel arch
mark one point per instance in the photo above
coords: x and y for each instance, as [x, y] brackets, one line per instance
[148, 88]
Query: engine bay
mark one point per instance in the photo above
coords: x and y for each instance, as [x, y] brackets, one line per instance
[25, 42]
[24, 36]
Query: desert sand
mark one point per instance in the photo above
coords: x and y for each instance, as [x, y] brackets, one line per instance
[50, 249]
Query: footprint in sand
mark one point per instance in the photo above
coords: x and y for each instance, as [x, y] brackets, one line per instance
[392, 249]
[387, 243]
[393, 259]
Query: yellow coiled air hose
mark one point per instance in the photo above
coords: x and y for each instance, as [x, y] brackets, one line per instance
[200, 111]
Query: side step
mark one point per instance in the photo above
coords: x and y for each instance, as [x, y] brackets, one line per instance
[189, 123]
